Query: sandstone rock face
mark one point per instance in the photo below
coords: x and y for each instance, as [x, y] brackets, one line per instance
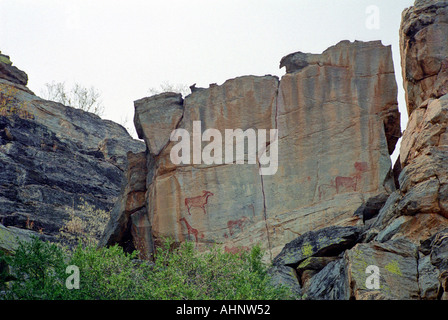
[54, 158]
[129, 211]
[156, 117]
[337, 122]
[405, 238]
[424, 51]
[345, 218]
[335, 125]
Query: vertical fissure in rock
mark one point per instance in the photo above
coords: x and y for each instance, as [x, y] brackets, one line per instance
[265, 213]
[417, 274]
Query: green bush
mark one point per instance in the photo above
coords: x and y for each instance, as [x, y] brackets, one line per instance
[39, 269]
[109, 273]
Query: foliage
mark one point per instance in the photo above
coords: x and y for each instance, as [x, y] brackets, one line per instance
[169, 87]
[40, 271]
[186, 273]
[4, 269]
[78, 96]
[110, 273]
[85, 224]
[10, 105]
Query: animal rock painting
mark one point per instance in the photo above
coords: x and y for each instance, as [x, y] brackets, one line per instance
[343, 184]
[232, 224]
[191, 230]
[198, 202]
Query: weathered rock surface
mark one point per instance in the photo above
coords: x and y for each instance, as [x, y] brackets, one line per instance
[285, 276]
[338, 129]
[330, 283]
[10, 72]
[128, 211]
[54, 158]
[397, 263]
[335, 200]
[156, 117]
[325, 242]
[11, 236]
[327, 169]
[424, 51]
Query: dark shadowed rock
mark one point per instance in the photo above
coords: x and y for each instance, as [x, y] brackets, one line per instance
[285, 276]
[428, 280]
[371, 207]
[439, 250]
[55, 160]
[330, 283]
[325, 242]
[125, 222]
[311, 266]
[294, 62]
[10, 72]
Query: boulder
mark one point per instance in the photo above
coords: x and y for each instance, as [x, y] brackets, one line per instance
[287, 277]
[428, 279]
[326, 242]
[10, 237]
[398, 270]
[331, 283]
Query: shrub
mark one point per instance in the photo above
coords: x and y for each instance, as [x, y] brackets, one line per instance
[186, 273]
[109, 273]
[78, 96]
[10, 105]
[39, 269]
[86, 224]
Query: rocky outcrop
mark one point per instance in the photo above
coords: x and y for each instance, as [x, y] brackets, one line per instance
[404, 237]
[11, 237]
[54, 158]
[337, 120]
[11, 73]
[424, 51]
[354, 228]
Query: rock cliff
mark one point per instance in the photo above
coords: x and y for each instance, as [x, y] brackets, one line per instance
[53, 159]
[336, 220]
[405, 236]
[337, 119]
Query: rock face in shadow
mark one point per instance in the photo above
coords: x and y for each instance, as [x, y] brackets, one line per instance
[54, 158]
[337, 121]
[11, 73]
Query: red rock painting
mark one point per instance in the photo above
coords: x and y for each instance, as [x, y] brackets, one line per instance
[191, 230]
[344, 184]
[232, 224]
[198, 201]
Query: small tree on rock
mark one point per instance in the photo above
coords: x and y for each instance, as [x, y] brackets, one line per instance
[87, 99]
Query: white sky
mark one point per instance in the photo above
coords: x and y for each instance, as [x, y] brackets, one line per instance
[123, 48]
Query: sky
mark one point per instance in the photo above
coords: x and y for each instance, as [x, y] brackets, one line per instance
[125, 48]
